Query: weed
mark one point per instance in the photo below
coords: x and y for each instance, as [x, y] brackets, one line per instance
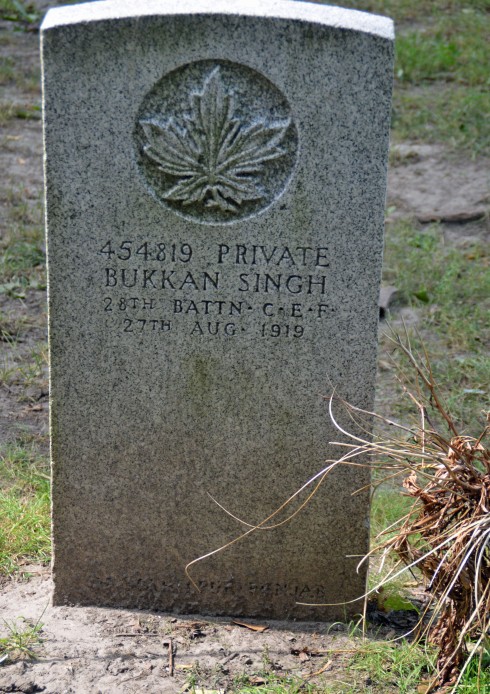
[445, 533]
[20, 641]
[12, 327]
[25, 370]
[21, 209]
[7, 370]
[194, 676]
[266, 659]
[398, 158]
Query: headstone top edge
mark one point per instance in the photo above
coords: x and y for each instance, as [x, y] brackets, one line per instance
[327, 15]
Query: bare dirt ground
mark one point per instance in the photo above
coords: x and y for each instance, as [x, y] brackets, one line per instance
[107, 650]
[87, 650]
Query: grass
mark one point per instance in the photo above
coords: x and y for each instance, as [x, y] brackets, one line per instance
[376, 667]
[20, 641]
[441, 95]
[266, 681]
[449, 288]
[388, 505]
[12, 326]
[22, 256]
[409, 12]
[24, 78]
[441, 70]
[10, 110]
[451, 49]
[7, 70]
[18, 11]
[269, 683]
[24, 506]
[386, 664]
[33, 371]
[25, 369]
[476, 679]
[455, 115]
[442, 83]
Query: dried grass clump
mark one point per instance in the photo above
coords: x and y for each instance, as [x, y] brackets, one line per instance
[452, 521]
[446, 534]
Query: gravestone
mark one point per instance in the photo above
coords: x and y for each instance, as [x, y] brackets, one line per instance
[215, 188]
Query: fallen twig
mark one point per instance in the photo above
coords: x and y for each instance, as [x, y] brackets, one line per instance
[170, 647]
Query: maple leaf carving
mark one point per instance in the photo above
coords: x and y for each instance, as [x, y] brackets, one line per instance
[214, 156]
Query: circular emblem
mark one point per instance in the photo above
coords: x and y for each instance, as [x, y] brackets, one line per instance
[216, 141]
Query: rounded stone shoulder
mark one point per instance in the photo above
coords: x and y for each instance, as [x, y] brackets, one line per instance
[336, 17]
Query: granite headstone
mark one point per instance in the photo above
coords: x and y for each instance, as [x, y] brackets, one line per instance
[215, 189]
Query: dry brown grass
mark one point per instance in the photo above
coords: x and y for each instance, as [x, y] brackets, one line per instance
[444, 539]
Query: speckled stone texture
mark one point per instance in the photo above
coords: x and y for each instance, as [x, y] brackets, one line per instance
[215, 187]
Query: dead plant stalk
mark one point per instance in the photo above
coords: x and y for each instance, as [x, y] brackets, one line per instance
[446, 534]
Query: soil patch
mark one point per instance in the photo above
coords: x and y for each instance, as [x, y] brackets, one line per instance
[109, 651]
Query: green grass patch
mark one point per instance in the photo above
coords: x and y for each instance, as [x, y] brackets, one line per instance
[455, 114]
[7, 70]
[28, 370]
[269, 683]
[32, 371]
[12, 326]
[387, 664]
[444, 279]
[476, 678]
[22, 256]
[17, 11]
[388, 506]
[24, 506]
[450, 290]
[20, 641]
[10, 111]
[13, 72]
[408, 11]
[442, 84]
[454, 49]
[445, 66]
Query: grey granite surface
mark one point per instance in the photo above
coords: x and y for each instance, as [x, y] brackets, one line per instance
[215, 187]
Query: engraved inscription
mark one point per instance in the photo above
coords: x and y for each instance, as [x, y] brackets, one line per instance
[156, 592]
[257, 291]
[216, 141]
